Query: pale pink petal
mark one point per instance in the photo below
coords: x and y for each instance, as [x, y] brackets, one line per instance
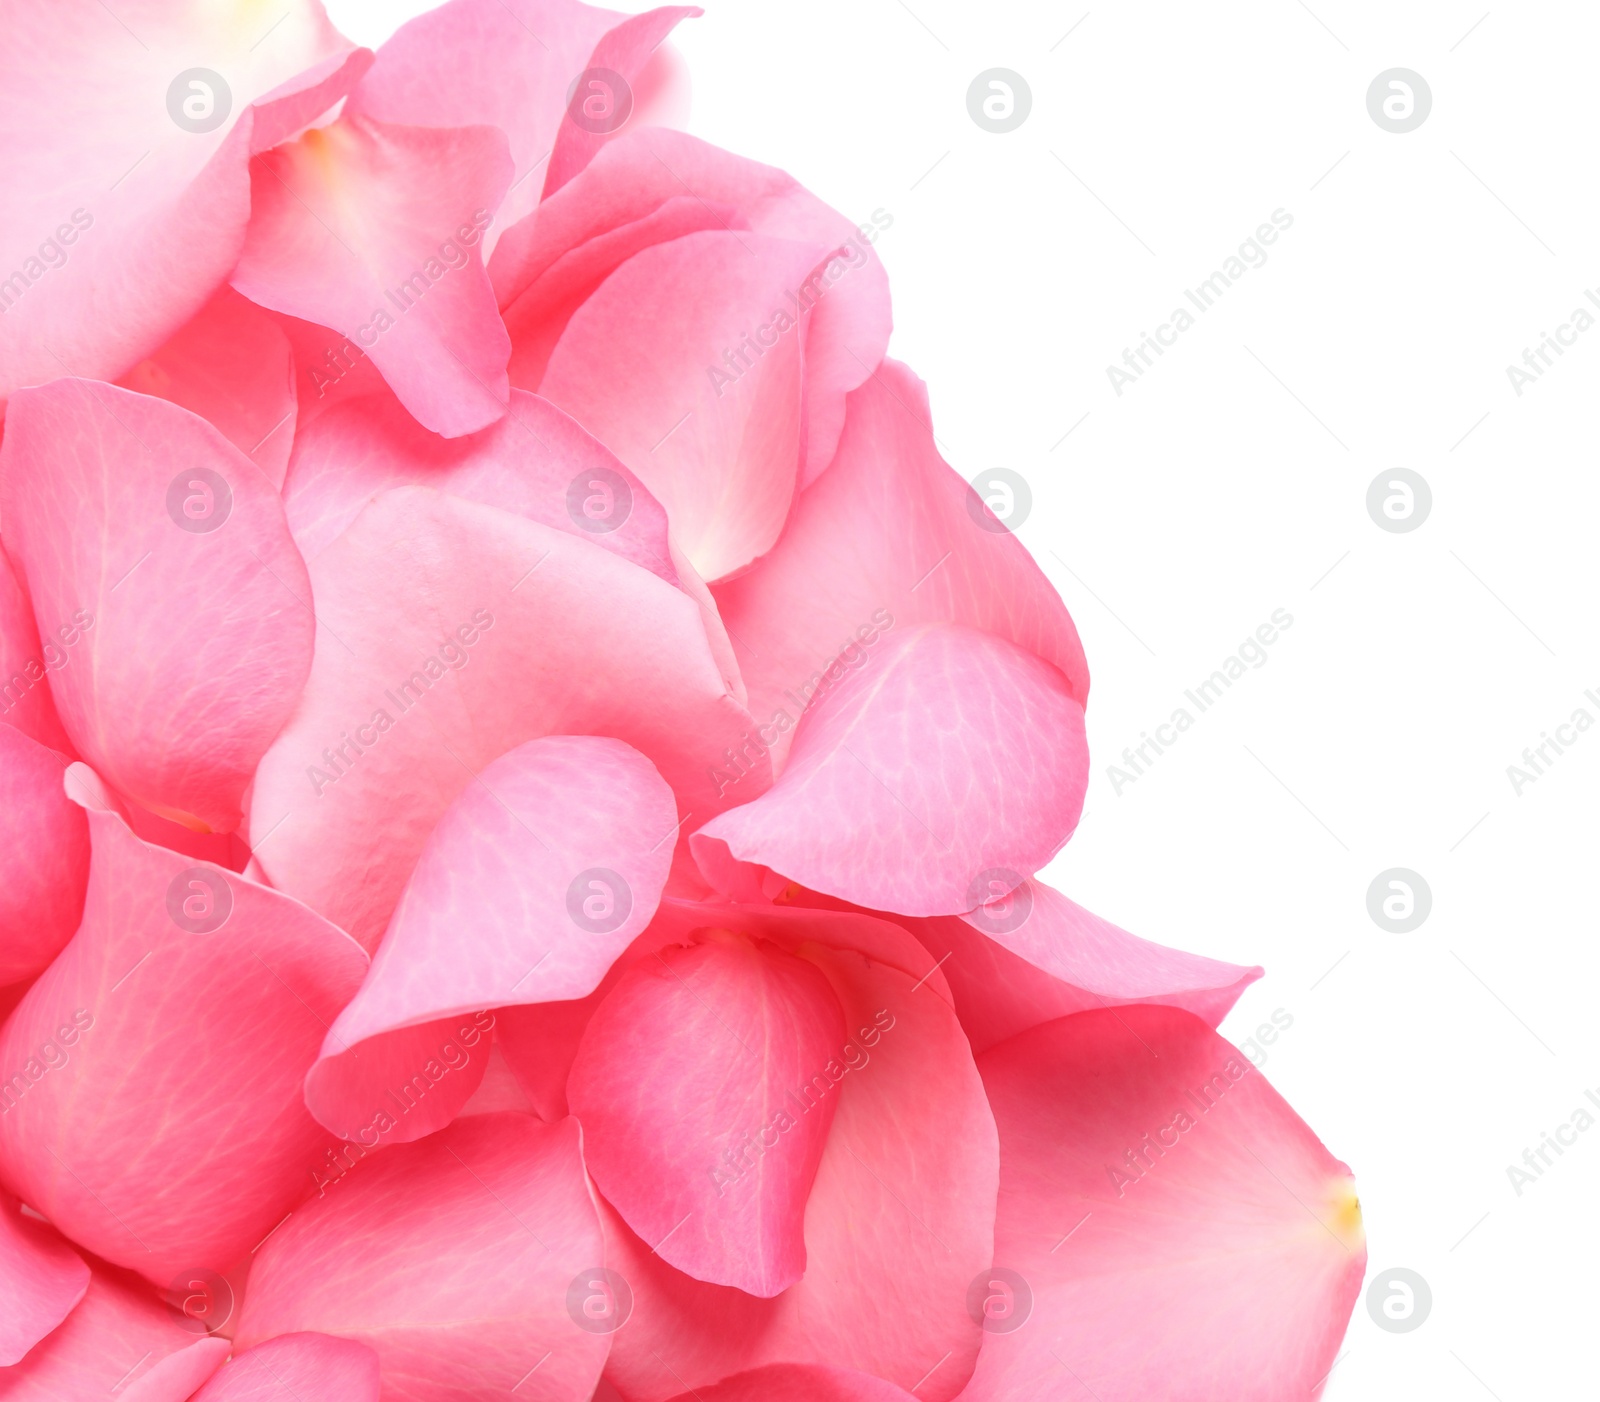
[799, 1382]
[599, 107]
[41, 1279]
[162, 552]
[652, 185]
[698, 1053]
[889, 539]
[1030, 955]
[198, 987]
[536, 461]
[654, 364]
[297, 1368]
[508, 64]
[232, 366]
[120, 1342]
[25, 665]
[949, 756]
[455, 1258]
[44, 857]
[374, 230]
[899, 1221]
[537, 877]
[1162, 1211]
[449, 633]
[119, 222]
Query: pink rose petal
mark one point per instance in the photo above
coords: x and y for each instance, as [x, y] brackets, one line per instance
[889, 539]
[196, 987]
[535, 879]
[698, 1053]
[491, 621]
[119, 222]
[1204, 1233]
[159, 558]
[25, 665]
[232, 366]
[791, 1382]
[41, 1280]
[654, 365]
[949, 756]
[120, 1342]
[297, 1368]
[536, 461]
[454, 1258]
[44, 857]
[374, 230]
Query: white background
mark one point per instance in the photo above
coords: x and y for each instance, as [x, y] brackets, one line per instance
[1231, 481]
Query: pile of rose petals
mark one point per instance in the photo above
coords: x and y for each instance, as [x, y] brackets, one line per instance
[523, 776]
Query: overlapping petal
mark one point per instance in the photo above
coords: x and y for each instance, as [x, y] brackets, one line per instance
[455, 1259]
[899, 1219]
[297, 1368]
[41, 1280]
[44, 857]
[449, 633]
[120, 1341]
[889, 538]
[951, 756]
[25, 664]
[799, 1383]
[536, 461]
[189, 988]
[1030, 955]
[667, 376]
[653, 185]
[232, 366]
[375, 230]
[1212, 1237]
[127, 203]
[158, 556]
[699, 1052]
[537, 877]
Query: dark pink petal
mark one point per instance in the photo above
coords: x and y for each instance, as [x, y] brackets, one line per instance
[232, 366]
[900, 1218]
[889, 539]
[158, 557]
[953, 755]
[120, 1342]
[1031, 956]
[119, 222]
[201, 988]
[41, 1279]
[537, 877]
[507, 64]
[374, 230]
[702, 1054]
[455, 1258]
[652, 185]
[536, 461]
[594, 112]
[297, 1368]
[449, 633]
[44, 857]
[1161, 1209]
[25, 666]
[653, 365]
[792, 1382]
